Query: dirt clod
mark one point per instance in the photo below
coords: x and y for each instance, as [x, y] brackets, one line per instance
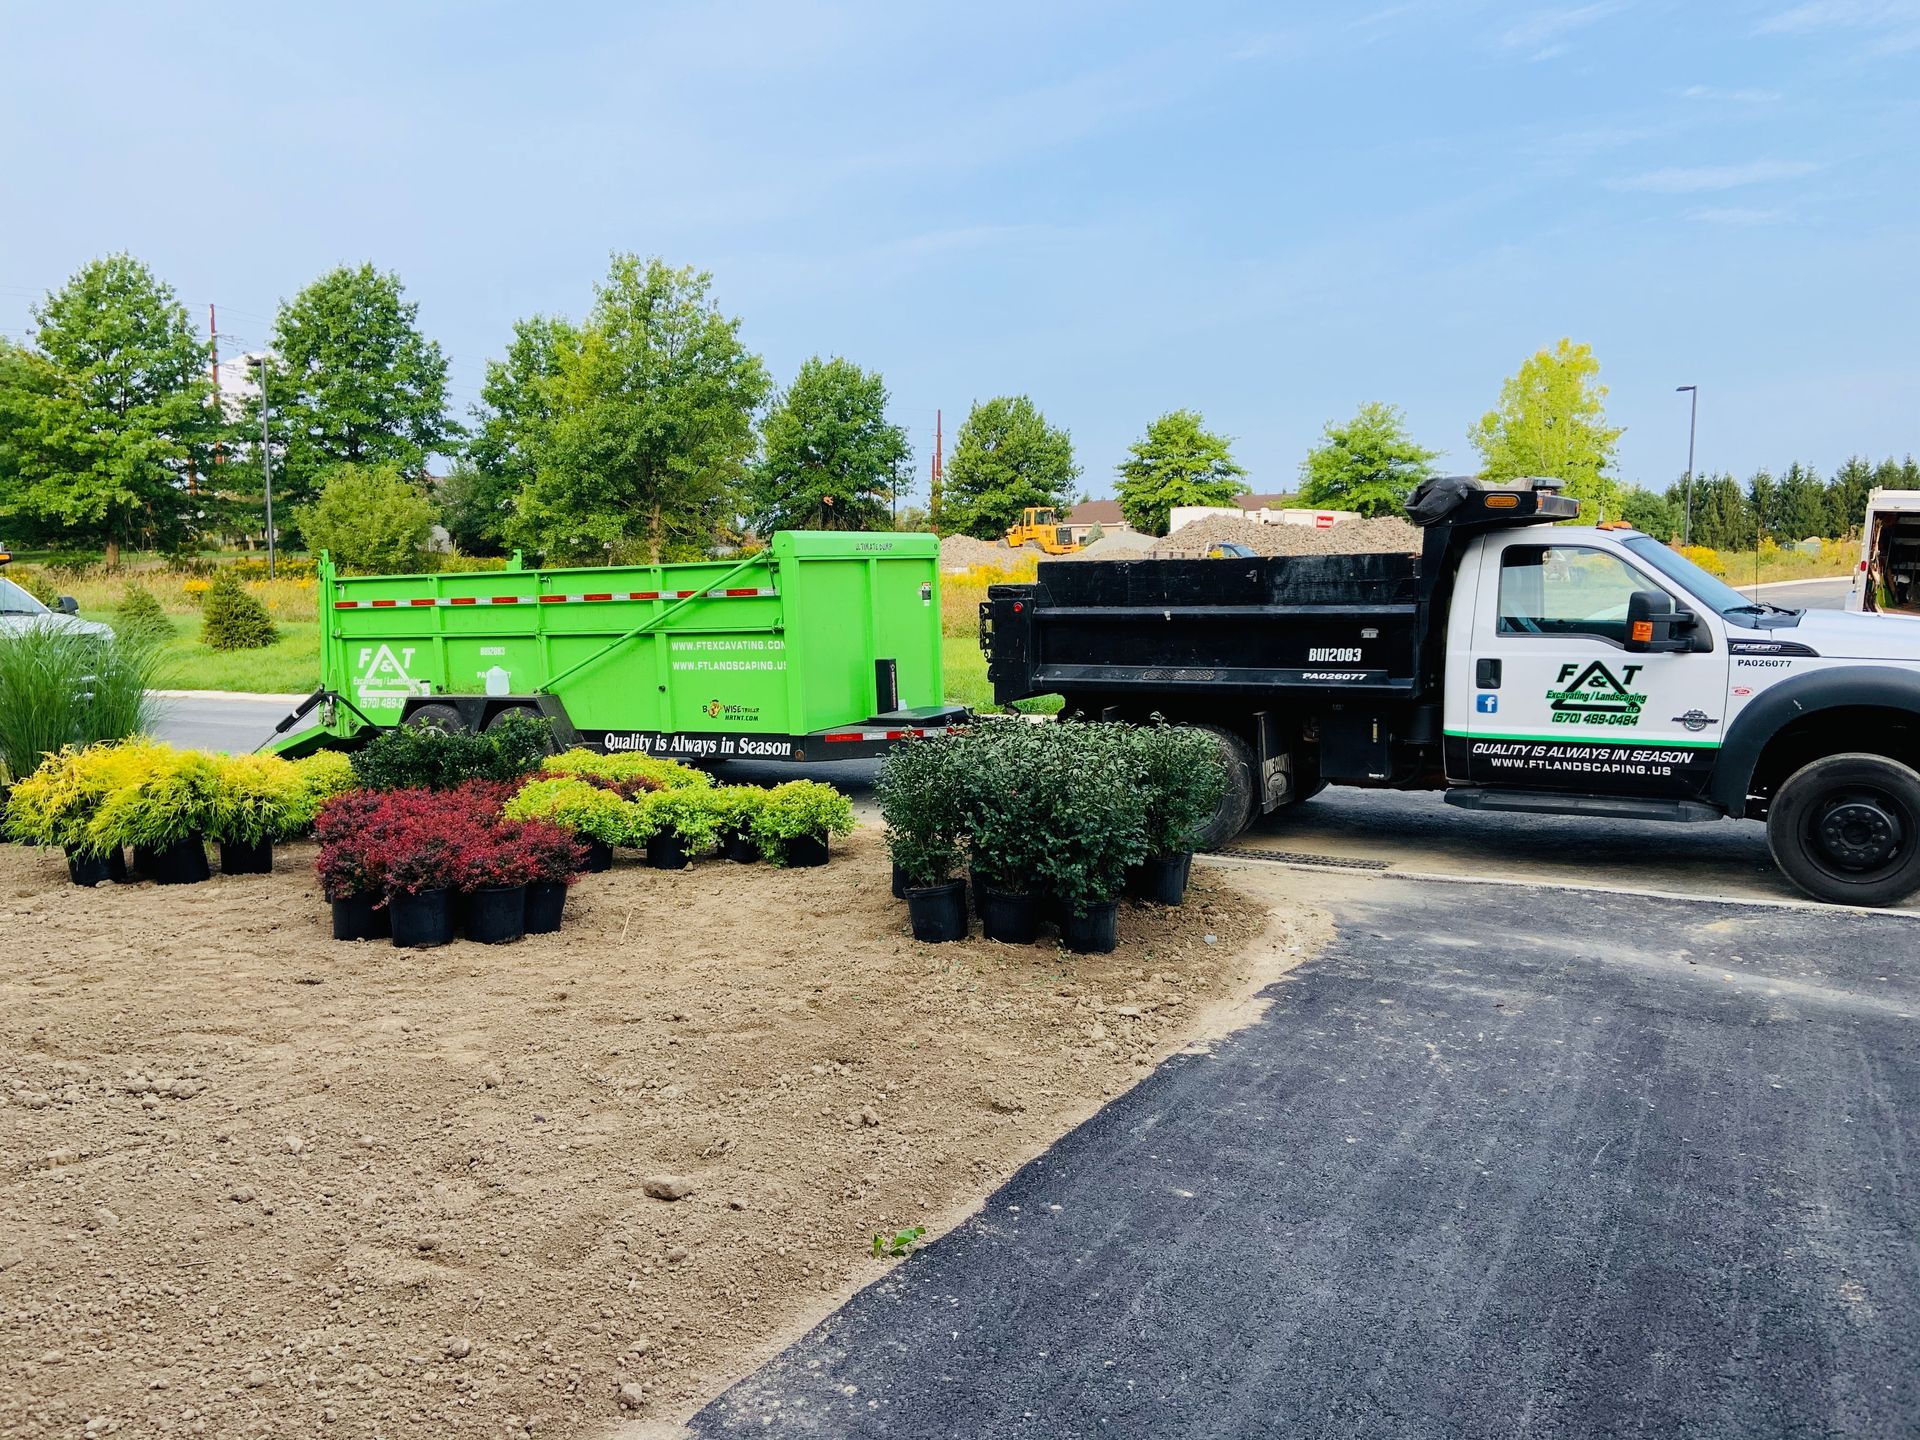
[667, 1187]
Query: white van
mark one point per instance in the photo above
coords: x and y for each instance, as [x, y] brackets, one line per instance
[1887, 580]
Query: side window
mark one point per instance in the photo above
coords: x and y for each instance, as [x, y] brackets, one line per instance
[1566, 590]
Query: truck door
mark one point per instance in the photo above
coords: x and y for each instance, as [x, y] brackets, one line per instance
[1560, 703]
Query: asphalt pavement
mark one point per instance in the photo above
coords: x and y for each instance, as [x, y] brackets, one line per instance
[1497, 1163]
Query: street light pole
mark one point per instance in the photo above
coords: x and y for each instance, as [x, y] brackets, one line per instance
[1692, 392]
[266, 463]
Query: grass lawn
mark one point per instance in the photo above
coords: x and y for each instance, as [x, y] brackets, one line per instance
[966, 677]
[289, 666]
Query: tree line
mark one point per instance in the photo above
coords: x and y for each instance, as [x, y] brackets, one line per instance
[646, 429]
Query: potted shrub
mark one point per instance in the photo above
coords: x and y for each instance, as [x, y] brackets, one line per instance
[922, 800]
[599, 816]
[631, 775]
[1181, 780]
[554, 858]
[258, 799]
[350, 877]
[678, 824]
[494, 869]
[418, 849]
[734, 809]
[55, 805]
[1096, 837]
[1019, 780]
[160, 801]
[796, 820]
[319, 777]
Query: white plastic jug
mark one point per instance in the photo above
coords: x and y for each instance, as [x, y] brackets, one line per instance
[499, 680]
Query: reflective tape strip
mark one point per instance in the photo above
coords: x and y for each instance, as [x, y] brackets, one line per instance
[596, 598]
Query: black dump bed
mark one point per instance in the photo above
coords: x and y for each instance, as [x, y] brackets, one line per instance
[1117, 627]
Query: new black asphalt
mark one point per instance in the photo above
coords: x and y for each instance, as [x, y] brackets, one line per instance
[1500, 1162]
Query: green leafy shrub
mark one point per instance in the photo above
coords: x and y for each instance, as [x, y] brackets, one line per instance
[60, 688]
[36, 583]
[923, 797]
[56, 804]
[233, 618]
[630, 773]
[407, 758]
[1182, 779]
[1103, 831]
[1021, 779]
[370, 518]
[256, 798]
[736, 806]
[798, 810]
[139, 614]
[578, 805]
[156, 796]
[686, 811]
[321, 776]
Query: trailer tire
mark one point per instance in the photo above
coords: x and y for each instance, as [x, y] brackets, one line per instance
[1846, 829]
[531, 712]
[1235, 811]
[439, 719]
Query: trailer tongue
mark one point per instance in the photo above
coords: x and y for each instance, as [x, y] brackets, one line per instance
[822, 647]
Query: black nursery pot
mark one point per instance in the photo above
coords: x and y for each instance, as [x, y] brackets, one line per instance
[1010, 919]
[90, 870]
[667, 852]
[938, 912]
[117, 870]
[182, 863]
[1093, 931]
[899, 882]
[236, 859]
[497, 915]
[599, 857]
[739, 848]
[357, 918]
[422, 920]
[546, 902]
[805, 850]
[1161, 879]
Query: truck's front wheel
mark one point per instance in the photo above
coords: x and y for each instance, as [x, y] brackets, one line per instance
[1846, 828]
[1236, 808]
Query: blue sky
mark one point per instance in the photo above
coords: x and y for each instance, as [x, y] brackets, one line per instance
[1270, 213]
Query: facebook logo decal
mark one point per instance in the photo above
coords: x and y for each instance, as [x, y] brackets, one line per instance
[1487, 704]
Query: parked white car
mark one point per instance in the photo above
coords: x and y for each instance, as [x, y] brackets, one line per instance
[20, 612]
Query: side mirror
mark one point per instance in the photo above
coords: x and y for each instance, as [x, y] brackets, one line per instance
[1653, 625]
[67, 605]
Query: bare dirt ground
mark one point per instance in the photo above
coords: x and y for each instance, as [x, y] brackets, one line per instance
[257, 1183]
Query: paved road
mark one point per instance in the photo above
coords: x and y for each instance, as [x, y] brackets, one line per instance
[1498, 1163]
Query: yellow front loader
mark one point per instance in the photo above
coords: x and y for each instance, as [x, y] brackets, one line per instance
[1039, 526]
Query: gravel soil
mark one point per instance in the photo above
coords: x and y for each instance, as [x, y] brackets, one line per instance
[254, 1182]
[1388, 534]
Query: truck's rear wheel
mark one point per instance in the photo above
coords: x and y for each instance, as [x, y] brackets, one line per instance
[1847, 829]
[1236, 808]
[440, 719]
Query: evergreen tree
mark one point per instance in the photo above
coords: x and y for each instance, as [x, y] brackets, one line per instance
[1803, 509]
[1763, 501]
[1847, 496]
[1177, 462]
[1722, 517]
[1370, 464]
[1006, 458]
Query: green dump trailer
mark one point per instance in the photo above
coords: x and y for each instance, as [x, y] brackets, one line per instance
[825, 646]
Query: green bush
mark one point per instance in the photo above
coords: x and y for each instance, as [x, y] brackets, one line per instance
[799, 810]
[686, 811]
[1096, 837]
[923, 797]
[578, 805]
[370, 518]
[59, 687]
[256, 798]
[156, 796]
[139, 614]
[56, 804]
[321, 776]
[1182, 778]
[36, 583]
[625, 772]
[407, 758]
[735, 806]
[233, 617]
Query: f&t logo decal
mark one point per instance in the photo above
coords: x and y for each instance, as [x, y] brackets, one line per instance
[1591, 694]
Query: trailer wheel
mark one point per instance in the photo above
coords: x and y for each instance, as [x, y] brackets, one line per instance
[1235, 810]
[1847, 829]
[438, 719]
[552, 746]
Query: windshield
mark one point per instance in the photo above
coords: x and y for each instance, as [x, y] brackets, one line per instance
[1715, 594]
[15, 601]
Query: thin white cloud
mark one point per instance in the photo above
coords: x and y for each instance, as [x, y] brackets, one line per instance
[1736, 215]
[1689, 180]
[1544, 32]
[1730, 97]
[1896, 23]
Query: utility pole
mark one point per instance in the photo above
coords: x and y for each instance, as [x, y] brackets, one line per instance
[1692, 392]
[266, 459]
[934, 484]
[213, 370]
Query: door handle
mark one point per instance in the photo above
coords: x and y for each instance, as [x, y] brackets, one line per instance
[1486, 674]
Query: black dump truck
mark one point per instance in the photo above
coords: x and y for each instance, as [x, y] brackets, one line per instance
[1517, 662]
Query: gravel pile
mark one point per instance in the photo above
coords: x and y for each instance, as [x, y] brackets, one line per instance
[1114, 545]
[963, 552]
[1387, 535]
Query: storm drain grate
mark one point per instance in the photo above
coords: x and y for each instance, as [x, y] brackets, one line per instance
[1295, 857]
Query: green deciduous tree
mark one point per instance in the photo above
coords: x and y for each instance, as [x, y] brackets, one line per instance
[353, 382]
[1177, 462]
[828, 437]
[103, 419]
[648, 433]
[514, 417]
[1551, 420]
[370, 518]
[1650, 512]
[1370, 464]
[1005, 459]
